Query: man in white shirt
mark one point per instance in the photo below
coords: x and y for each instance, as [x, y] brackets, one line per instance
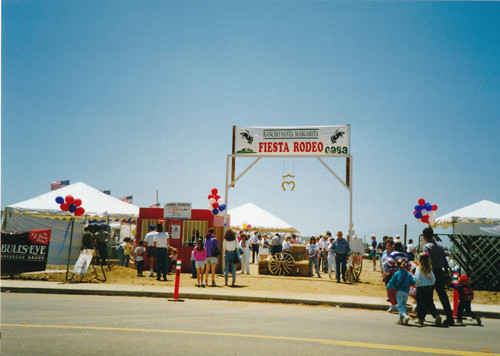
[331, 258]
[150, 248]
[161, 242]
[254, 245]
[323, 244]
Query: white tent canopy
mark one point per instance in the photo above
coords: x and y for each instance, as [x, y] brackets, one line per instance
[483, 212]
[97, 204]
[258, 218]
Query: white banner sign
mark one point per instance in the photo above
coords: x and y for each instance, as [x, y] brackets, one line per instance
[300, 141]
[83, 262]
[177, 211]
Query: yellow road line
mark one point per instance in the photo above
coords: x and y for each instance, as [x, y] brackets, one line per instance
[328, 342]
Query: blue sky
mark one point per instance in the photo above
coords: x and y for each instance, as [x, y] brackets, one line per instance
[136, 96]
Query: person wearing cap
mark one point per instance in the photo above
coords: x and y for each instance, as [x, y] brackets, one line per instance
[465, 297]
[341, 250]
[275, 244]
[150, 248]
[322, 244]
[373, 252]
[254, 246]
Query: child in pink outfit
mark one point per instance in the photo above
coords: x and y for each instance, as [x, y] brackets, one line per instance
[199, 260]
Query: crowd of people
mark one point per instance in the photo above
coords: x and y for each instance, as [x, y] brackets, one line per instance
[406, 273]
[418, 280]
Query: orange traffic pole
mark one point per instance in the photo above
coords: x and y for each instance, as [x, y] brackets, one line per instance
[177, 282]
[455, 294]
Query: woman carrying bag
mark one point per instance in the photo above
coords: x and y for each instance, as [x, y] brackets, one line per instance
[230, 255]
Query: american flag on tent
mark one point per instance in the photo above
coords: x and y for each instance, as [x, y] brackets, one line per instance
[59, 184]
[127, 199]
[108, 192]
[157, 205]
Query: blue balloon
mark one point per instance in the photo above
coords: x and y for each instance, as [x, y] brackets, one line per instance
[418, 208]
[418, 215]
[59, 200]
[222, 207]
[72, 208]
[428, 206]
[215, 211]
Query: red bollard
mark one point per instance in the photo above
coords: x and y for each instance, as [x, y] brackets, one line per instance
[177, 282]
[455, 294]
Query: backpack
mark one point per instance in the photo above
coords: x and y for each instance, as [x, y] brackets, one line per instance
[215, 250]
[468, 293]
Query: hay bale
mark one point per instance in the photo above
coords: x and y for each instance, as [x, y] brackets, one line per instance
[299, 252]
[298, 248]
[264, 267]
[302, 268]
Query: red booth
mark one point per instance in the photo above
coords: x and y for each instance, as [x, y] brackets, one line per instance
[181, 230]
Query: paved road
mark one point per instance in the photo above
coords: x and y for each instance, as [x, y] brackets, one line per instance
[39, 324]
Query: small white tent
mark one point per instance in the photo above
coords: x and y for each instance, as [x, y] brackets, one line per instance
[96, 204]
[42, 212]
[258, 218]
[471, 219]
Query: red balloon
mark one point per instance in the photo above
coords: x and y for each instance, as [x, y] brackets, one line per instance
[77, 202]
[215, 205]
[64, 206]
[214, 191]
[69, 199]
[217, 197]
[421, 202]
[79, 211]
[425, 219]
[414, 212]
[210, 196]
[434, 207]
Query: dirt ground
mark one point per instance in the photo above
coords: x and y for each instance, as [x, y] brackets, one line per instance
[370, 283]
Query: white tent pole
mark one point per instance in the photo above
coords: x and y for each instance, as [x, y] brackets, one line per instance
[350, 197]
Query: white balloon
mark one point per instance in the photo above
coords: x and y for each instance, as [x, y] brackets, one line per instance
[212, 200]
[220, 201]
[424, 212]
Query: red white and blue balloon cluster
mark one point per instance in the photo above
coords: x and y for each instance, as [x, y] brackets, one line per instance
[425, 212]
[71, 204]
[216, 203]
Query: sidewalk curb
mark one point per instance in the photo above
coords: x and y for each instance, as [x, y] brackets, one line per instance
[231, 298]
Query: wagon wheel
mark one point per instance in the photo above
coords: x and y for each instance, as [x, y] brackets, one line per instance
[281, 264]
[357, 264]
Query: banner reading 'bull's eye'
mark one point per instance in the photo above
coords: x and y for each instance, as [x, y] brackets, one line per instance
[300, 141]
[25, 251]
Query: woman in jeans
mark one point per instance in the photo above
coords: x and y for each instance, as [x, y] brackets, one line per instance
[229, 247]
[313, 254]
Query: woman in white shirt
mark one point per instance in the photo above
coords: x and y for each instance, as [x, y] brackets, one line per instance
[286, 245]
[264, 247]
[230, 245]
[245, 256]
[313, 255]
